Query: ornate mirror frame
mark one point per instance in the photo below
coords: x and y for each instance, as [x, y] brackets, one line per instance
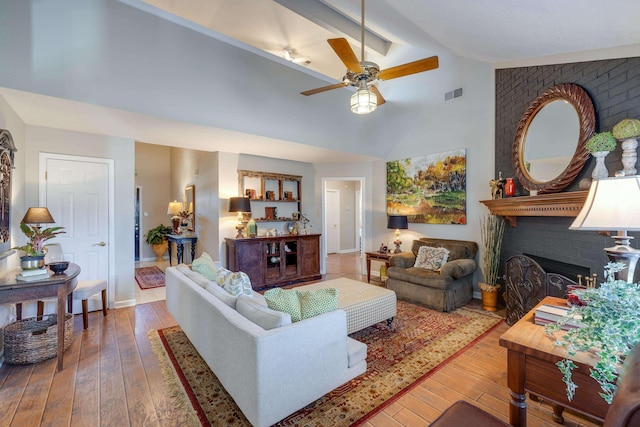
[583, 105]
[7, 150]
[190, 203]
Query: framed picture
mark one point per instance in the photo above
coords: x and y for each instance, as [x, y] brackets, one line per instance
[7, 150]
[429, 189]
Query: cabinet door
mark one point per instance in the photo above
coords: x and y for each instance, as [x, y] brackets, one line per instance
[248, 258]
[272, 260]
[309, 255]
[290, 258]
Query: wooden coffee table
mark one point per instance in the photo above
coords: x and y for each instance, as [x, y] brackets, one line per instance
[531, 365]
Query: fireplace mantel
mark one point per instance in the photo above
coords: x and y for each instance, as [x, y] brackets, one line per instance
[555, 204]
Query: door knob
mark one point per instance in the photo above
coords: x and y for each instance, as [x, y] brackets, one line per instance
[99, 244]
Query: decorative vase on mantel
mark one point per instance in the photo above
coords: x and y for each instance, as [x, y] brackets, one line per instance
[600, 170]
[629, 156]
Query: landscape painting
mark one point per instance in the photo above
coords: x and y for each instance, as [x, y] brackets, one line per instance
[429, 189]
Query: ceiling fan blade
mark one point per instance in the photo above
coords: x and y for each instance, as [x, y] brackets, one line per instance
[345, 53]
[414, 67]
[375, 90]
[322, 89]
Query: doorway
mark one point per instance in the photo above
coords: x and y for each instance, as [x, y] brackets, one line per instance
[79, 191]
[343, 223]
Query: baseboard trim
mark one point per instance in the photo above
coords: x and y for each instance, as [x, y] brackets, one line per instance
[125, 303]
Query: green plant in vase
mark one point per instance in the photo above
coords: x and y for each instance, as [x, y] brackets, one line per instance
[599, 145]
[156, 237]
[37, 239]
[491, 231]
[610, 319]
[627, 131]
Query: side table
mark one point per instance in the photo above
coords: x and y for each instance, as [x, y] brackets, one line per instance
[377, 256]
[180, 240]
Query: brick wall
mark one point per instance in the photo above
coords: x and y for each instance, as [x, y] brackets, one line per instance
[614, 87]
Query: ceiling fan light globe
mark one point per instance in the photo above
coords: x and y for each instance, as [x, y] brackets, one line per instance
[364, 102]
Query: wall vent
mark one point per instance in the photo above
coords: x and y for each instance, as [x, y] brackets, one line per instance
[456, 93]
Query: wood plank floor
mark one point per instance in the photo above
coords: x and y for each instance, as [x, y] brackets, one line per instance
[111, 378]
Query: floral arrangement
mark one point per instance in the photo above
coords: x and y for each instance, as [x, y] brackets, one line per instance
[603, 141]
[491, 231]
[611, 327]
[37, 238]
[184, 215]
[627, 128]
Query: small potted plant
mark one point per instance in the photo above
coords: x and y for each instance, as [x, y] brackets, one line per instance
[599, 145]
[610, 327]
[628, 131]
[35, 248]
[492, 231]
[156, 237]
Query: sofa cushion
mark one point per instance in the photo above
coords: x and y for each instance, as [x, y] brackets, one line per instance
[316, 302]
[198, 278]
[420, 276]
[302, 304]
[206, 266]
[458, 249]
[356, 351]
[431, 258]
[284, 300]
[237, 283]
[224, 296]
[262, 316]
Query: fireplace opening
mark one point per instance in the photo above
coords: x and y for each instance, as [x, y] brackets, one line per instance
[570, 271]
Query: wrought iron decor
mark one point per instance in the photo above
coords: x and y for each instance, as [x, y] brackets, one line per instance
[7, 150]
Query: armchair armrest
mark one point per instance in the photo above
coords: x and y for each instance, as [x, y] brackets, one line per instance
[458, 268]
[402, 260]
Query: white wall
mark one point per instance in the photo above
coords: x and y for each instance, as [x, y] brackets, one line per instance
[122, 151]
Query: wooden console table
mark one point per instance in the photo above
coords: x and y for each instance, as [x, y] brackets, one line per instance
[180, 240]
[531, 366]
[13, 291]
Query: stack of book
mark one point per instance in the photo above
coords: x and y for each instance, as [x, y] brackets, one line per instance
[552, 313]
[33, 275]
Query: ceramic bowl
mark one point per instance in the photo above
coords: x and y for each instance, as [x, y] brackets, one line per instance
[59, 267]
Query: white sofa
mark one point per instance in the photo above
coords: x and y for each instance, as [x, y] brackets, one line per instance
[269, 373]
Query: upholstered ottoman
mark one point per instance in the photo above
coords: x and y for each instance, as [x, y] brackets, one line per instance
[365, 304]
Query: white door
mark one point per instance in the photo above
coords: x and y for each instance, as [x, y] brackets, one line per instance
[76, 192]
[332, 199]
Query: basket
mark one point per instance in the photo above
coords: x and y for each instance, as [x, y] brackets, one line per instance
[31, 340]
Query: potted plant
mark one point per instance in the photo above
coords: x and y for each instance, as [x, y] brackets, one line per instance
[627, 131]
[610, 318]
[156, 237]
[492, 231]
[599, 145]
[35, 248]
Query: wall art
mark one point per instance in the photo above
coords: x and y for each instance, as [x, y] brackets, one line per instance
[429, 189]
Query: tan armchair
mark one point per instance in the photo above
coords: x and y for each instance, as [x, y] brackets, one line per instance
[444, 290]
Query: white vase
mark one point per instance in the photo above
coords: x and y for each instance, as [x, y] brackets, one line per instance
[600, 169]
[629, 156]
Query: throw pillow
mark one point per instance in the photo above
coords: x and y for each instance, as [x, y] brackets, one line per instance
[431, 258]
[284, 300]
[261, 315]
[237, 283]
[206, 266]
[316, 302]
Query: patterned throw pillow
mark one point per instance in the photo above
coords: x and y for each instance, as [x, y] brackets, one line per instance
[284, 300]
[206, 266]
[316, 302]
[237, 283]
[431, 258]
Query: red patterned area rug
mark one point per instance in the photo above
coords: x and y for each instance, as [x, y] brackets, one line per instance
[149, 277]
[419, 342]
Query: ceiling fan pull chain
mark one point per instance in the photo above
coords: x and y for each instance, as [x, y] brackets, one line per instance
[362, 35]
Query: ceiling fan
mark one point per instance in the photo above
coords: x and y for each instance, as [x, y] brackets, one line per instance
[362, 74]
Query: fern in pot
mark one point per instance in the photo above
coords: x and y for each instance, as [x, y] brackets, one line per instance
[492, 231]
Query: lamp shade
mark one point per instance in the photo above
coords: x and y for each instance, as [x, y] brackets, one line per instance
[37, 216]
[364, 101]
[612, 204]
[174, 208]
[239, 204]
[397, 222]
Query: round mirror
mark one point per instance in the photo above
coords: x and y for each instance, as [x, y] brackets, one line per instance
[549, 151]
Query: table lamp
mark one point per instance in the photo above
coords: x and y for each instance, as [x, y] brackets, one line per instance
[37, 216]
[241, 205]
[614, 204]
[174, 209]
[399, 222]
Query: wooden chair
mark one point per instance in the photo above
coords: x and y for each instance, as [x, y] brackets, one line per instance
[623, 412]
[84, 290]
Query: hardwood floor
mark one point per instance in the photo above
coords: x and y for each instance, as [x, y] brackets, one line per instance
[112, 378]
